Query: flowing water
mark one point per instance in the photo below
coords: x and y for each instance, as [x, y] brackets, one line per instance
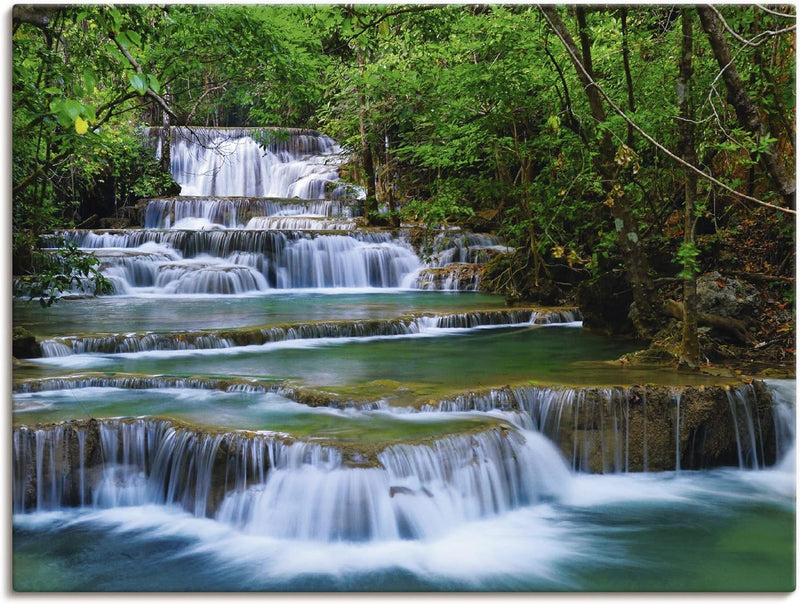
[277, 399]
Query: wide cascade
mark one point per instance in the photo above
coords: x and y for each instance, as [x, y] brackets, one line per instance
[287, 399]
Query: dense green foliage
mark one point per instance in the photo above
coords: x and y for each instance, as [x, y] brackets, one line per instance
[471, 115]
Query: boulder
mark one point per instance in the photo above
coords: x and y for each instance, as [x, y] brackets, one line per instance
[725, 297]
[24, 344]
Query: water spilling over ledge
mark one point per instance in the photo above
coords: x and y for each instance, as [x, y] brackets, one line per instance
[253, 162]
[240, 212]
[106, 462]
[252, 336]
[243, 477]
[646, 428]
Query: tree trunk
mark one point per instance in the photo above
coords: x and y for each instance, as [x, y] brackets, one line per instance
[166, 139]
[643, 314]
[690, 344]
[746, 112]
[626, 63]
[371, 202]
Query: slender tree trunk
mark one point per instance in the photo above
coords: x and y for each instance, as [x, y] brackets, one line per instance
[371, 202]
[626, 63]
[690, 345]
[166, 139]
[746, 112]
[644, 315]
[572, 121]
[389, 182]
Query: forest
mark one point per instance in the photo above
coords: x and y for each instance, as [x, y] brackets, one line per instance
[632, 156]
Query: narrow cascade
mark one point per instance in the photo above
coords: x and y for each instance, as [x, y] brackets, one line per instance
[133, 342]
[459, 247]
[456, 262]
[747, 428]
[253, 162]
[677, 431]
[451, 278]
[784, 415]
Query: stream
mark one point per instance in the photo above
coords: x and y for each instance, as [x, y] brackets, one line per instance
[276, 398]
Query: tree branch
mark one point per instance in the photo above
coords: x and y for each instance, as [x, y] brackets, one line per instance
[776, 13]
[591, 82]
[206, 92]
[394, 13]
[150, 92]
[751, 41]
[748, 115]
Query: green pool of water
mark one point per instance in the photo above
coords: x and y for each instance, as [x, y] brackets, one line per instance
[118, 314]
[404, 367]
[218, 410]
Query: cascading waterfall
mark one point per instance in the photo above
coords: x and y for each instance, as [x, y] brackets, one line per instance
[233, 262]
[457, 247]
[234, 228]
[253, 162]
[239, 212]
[264, 486]
[134, 382]
[142, 462]
[318, 488]
[747, 427]
[146, 461]
[419, 492]
[594, 427]
[784, 418]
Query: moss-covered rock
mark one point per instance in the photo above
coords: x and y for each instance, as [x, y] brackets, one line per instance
[24, 344]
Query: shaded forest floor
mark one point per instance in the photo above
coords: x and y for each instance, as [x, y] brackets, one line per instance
[762, 259]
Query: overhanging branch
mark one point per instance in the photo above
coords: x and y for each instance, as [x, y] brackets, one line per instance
[149, 92]
[588, 78]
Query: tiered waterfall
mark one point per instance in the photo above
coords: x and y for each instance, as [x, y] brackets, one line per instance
[285, 399]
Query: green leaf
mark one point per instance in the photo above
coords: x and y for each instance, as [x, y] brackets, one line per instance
[72, 108]
[81, 126]
[89, 80]
[153, 83]
[138, 82]
[134, 37]
[122, 38]
[116, 18]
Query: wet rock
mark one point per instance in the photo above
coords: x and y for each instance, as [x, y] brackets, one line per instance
[453, 277]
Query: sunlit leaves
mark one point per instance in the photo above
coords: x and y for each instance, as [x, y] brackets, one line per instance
[81, 126]
[68, 111]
